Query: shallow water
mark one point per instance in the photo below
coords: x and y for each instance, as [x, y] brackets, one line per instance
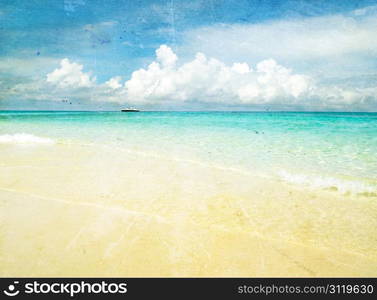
[324, 150]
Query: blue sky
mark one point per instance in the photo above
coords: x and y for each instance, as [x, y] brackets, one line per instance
[322, 52]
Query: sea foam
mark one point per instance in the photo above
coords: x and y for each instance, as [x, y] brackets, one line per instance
[24, 138]
[331, 183]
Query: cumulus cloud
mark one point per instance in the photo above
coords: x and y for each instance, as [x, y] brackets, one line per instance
[114, 82]
[210, 80]
[166, 57]
[206, 80]
[67, 81]
[166, 81]
[70, 75]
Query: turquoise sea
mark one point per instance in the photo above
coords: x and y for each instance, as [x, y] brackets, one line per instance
[336, 151]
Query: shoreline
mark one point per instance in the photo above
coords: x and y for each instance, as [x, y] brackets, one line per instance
[345, 185]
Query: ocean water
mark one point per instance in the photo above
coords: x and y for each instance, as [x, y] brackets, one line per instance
[334, 151]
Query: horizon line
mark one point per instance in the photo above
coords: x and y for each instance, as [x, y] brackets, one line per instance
[238, 111]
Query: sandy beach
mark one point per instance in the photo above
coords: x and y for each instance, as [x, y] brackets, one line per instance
[79, 210]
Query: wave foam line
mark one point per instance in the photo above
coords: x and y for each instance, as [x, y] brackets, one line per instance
[342, 186]
[326, 182]
[24, 138]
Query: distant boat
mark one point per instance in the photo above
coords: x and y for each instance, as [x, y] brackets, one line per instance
[130, 109]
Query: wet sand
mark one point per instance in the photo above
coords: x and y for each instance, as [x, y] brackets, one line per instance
[69, 210]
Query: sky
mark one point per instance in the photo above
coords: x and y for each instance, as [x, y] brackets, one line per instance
[300, 55]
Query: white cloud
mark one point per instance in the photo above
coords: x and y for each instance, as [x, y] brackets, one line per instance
[70, 75]
[114, 82]
[166, 56]
[210, 80]
[166, 81]
[320, 39]
[241, 68]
